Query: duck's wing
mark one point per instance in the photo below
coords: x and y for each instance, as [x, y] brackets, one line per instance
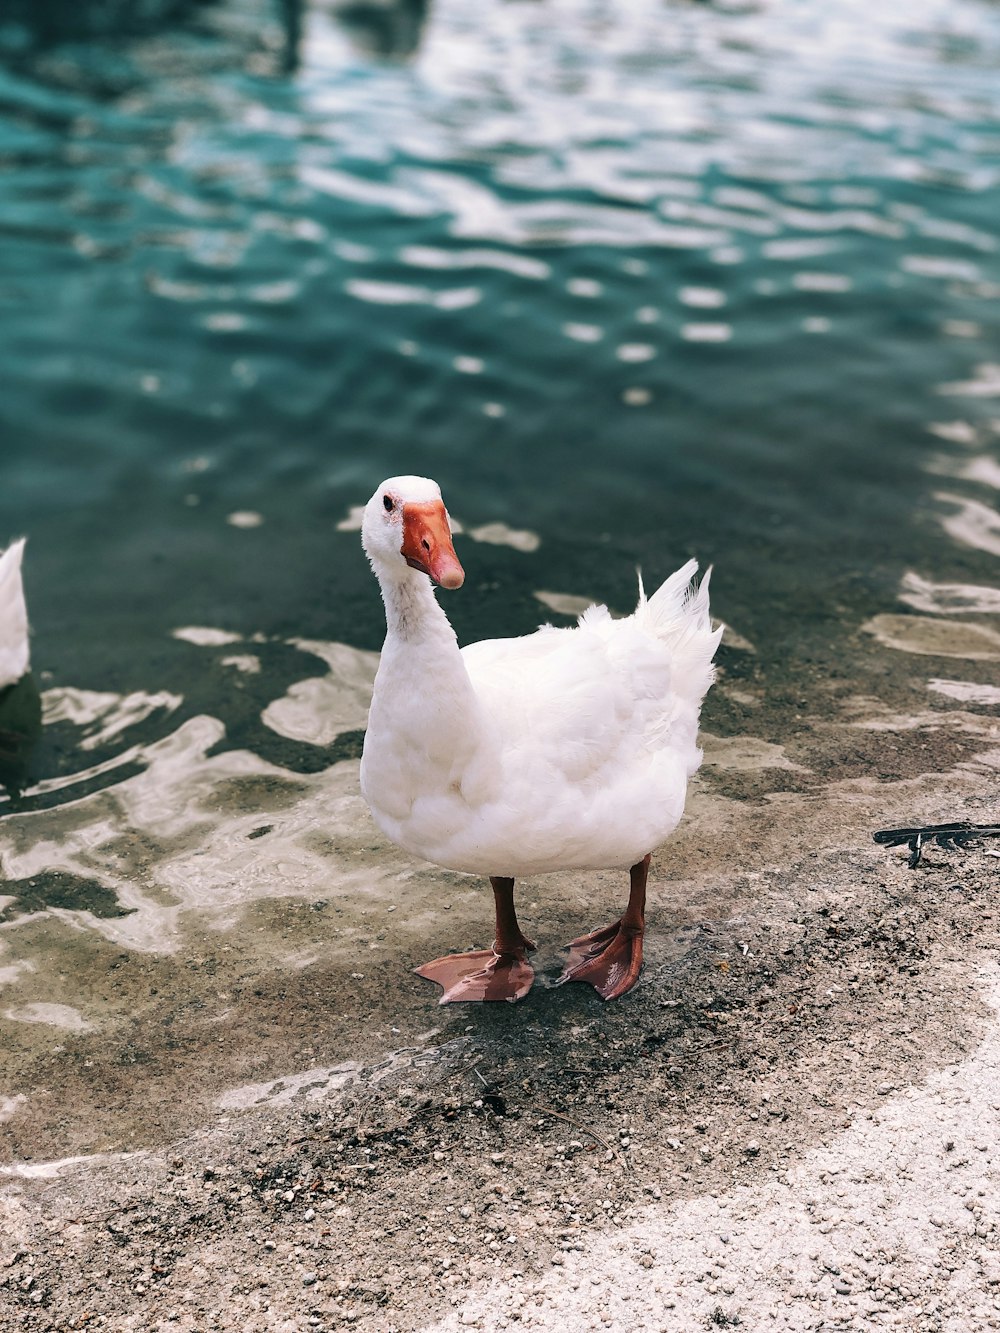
[592, 695]
[577, 700]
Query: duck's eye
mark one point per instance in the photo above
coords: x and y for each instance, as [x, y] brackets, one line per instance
[389, 503]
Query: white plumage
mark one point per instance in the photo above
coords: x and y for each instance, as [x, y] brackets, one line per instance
[13, 617]
[564, 749]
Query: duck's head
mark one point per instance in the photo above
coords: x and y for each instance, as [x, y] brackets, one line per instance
[406, 526]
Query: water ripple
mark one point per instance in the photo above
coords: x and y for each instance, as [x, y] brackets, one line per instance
[402, 293]
[563, 257]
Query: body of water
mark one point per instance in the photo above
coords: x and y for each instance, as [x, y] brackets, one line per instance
[631, 281]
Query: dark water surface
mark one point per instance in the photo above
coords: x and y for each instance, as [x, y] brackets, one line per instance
[647, 279]
[637, 281]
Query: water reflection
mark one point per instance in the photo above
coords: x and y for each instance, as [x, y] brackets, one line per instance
[384, 28]
[263, 35]
[292, 11]
[20, 728]
[271, 31]
[47, 22]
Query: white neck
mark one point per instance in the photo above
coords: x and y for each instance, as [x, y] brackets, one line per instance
[426, 729]
[423, 688]
[412, 614]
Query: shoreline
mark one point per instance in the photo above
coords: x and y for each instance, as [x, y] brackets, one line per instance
[785, 1013]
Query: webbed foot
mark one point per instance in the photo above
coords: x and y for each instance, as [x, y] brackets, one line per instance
[610, 960]
[481, 974]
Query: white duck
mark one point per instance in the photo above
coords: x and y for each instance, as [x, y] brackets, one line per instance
[13, 617]
[567, 749]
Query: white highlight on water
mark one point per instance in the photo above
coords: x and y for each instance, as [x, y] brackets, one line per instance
[635, 353]
[318, 710]
[587, 287]
[985, 384]
[114, 712]
[822, 282]
[946, 599]
[499, 534]
[204, 636]
[583, 333]
[975, 524]
[707, 333]
[403, 293]
[705, 298]
[564, 603]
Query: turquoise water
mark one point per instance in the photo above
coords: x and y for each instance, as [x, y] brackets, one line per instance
[647, 280]
[633, 282]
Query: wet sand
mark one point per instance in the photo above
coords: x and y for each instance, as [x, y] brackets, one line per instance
[232, 1105]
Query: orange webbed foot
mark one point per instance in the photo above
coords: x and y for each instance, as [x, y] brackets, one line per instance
[481, 974]
[609, 959]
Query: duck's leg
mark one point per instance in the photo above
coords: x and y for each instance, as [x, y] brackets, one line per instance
[500, 973]
[611, 959]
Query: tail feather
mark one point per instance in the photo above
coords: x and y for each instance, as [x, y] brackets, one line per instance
[678, 613]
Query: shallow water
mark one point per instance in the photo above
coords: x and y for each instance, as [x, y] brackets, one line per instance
[632, 285]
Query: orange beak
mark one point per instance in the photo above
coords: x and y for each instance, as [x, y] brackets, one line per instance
[427, 543]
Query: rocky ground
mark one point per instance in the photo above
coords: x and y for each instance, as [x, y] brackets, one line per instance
[791, 1123]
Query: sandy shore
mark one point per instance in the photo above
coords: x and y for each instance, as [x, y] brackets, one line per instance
[791, 1123]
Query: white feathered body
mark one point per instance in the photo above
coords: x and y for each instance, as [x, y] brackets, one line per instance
[564, 749]
[13, 617]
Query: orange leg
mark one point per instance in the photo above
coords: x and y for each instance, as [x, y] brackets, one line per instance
[611, 959]
[500, 973]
